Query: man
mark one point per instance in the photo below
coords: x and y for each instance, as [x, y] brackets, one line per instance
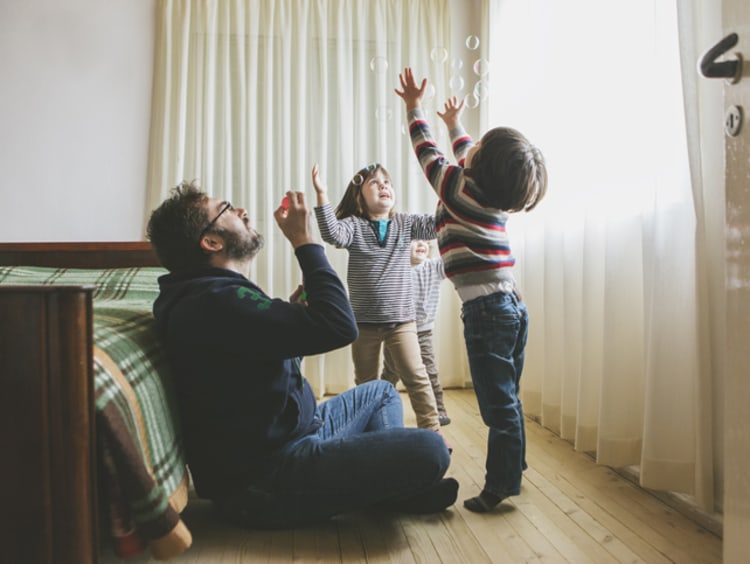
[257, 442]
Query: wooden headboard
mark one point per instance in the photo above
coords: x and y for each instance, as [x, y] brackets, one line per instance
[79, 255]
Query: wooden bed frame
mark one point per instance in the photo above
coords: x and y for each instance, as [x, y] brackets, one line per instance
[79, 255]
[48, 482]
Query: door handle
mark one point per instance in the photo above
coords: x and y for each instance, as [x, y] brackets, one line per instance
[731, 70]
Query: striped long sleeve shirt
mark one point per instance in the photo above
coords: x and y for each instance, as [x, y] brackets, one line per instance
[471, 237]
[426, 277]
[378, 276]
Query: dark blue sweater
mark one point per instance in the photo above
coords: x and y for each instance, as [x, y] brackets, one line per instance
[235, 354]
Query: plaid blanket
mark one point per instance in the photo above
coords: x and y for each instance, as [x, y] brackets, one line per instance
[140, 453]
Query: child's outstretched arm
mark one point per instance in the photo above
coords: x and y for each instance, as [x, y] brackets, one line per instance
[410, 93]
[452, 113]
[338, 233]
[460, 141]
[320, 187]
[433, 162]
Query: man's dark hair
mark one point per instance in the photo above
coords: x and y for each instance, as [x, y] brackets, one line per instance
[174, 228]
[509, 171]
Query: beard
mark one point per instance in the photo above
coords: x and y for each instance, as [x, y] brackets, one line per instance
[243, 244]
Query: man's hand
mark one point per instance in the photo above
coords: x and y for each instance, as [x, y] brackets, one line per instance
[296, 220]
[452, 113]
[411, 94]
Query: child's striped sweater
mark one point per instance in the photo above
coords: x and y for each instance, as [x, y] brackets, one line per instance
[471, 237]
[378, 275]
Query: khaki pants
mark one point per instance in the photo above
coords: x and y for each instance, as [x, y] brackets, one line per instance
[403, 348]
[428, 357]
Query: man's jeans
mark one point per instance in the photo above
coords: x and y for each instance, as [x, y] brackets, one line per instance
[495, 331]
[360, 456]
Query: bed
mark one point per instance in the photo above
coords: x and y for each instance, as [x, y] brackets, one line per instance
[93, 456]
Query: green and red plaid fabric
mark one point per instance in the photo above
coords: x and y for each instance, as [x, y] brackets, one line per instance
[139, 443]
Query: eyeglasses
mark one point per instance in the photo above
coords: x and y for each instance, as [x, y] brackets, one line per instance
[227, 206]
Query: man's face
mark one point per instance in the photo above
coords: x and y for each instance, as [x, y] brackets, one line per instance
[241, 240]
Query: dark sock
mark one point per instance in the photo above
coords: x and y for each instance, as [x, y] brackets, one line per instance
[483, 503]
[433, 500]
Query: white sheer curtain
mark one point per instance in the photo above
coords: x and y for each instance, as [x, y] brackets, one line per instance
[622, 264]
[248, 94]
[618, 263]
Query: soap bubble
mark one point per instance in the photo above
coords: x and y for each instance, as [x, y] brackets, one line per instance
[472, 42]
[429, 92]
[456, 83]
[379, 64]
[457, 64]
[481, 67]
[471, 100]
[481, 90]
[383, 113]
[439, 54]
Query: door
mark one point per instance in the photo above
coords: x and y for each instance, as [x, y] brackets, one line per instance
[736, 19]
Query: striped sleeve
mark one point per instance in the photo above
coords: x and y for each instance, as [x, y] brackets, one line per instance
[443, 176]
[334, 232]
[423, 227]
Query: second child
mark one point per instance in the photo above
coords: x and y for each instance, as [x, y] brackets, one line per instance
[378, 240]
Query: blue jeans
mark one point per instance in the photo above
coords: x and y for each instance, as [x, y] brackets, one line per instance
[495, 331]
[361, 456]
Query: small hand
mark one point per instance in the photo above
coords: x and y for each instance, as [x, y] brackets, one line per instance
[452, 113]
[318, 184]
[411, 94]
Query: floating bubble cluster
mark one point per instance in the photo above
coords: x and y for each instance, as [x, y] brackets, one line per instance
[456, 83]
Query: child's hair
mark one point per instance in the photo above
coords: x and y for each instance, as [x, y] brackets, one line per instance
[353, 203]
[509, 171]
[174, 228]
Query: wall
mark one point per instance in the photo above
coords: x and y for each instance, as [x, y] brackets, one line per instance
[74, 108]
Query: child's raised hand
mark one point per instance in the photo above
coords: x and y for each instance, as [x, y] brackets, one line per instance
[317, 181]
[451, 115]
[411, 94]
[319, 185]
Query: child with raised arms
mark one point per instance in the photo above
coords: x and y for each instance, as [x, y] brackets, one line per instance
[500, 174]
[378, 240]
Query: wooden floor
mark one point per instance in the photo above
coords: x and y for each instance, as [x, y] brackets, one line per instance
[569, 510]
